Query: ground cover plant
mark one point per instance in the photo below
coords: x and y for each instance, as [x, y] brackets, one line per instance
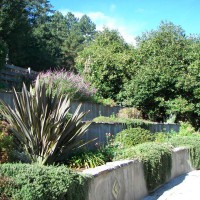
[33, 182]
[156, 159]
[191, 142]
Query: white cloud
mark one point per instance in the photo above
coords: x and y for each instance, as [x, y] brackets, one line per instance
[101, 20]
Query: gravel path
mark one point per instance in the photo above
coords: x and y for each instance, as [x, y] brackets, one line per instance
[184, 187]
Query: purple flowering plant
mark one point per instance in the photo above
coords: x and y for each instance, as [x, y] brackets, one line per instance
[69, 83]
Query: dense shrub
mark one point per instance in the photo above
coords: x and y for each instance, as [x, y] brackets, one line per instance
[193, 142]
[69, 84]
[33, 182]
[132, 136]
[156, 159]
[186, 129]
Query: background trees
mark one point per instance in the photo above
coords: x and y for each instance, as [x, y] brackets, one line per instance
[3, 52]
[164, 60]
[38, 37]
[106, 62]
[160, 75]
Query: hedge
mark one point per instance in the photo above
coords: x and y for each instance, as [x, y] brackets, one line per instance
[33, 182]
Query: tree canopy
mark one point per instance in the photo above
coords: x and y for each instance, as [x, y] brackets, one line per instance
[160, 76]
[164, 83]
[106, 62]
[38, 37]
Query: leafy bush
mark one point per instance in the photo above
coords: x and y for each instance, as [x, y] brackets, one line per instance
[132, 136]
[69, 84]
[33, 182]
[39, 123]
[193, 143]
[156, 159]
[186, 129]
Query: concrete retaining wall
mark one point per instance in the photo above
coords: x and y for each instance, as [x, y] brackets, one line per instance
[124, 180]
[95, 109]
[99, 130]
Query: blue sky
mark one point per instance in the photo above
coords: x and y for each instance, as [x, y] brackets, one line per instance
[132, 17]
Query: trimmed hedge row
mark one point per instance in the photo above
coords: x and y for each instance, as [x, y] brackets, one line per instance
[33, 182]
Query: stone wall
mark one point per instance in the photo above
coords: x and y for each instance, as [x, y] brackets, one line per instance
[124, 180]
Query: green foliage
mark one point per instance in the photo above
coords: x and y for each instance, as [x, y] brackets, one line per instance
[193, 143]
[156, 159]
[186, 129]
[132, 136]
[87, 159]
[39, 123]
[33, 182]
[106, 63]
[99, 156]
[38, 37]
[162, 82]
[161, 137]
[3, 52]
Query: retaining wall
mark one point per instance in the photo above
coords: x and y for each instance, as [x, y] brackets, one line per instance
[124, 180]
[99, 131]
[95, 109]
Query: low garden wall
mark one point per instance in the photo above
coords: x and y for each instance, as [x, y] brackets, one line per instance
[125, 180]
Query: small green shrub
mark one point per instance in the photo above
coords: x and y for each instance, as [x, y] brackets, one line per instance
[132, 136]
[86, 160]
[186, 129]
[99, 156]
[33, 182]
[193, 143]
[156, 159]
[161, 137]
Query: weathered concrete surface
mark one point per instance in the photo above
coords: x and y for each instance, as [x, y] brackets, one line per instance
[124, 180]
[120, 180]
[180, 162]
[184, 187]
